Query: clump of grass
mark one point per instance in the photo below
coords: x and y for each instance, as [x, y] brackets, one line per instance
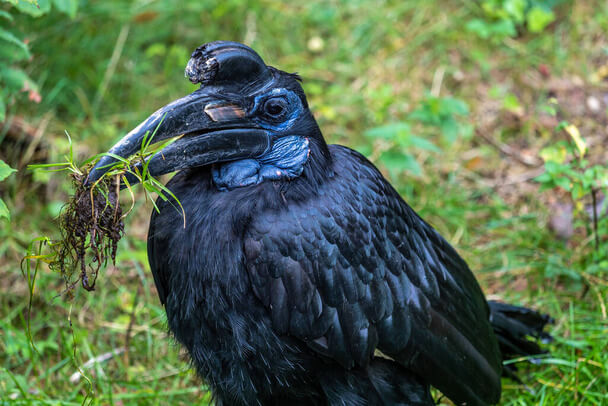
[91, 223]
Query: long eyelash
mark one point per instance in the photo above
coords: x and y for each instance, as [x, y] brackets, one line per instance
[293, 75]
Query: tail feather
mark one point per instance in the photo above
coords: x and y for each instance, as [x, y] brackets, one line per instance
[518, 329]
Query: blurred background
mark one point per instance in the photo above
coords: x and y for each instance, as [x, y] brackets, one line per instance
[490, 117]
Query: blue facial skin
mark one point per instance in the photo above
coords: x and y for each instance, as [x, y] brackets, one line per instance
[286, 158]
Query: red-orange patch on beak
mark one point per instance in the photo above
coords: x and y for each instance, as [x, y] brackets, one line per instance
[224, 112]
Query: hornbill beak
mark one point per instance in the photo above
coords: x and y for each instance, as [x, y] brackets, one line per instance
[211, 131]
[212, 123]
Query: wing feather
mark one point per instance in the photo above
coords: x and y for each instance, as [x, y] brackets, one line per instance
[357, 270]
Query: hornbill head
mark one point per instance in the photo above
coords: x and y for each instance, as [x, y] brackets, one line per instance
[249, 119]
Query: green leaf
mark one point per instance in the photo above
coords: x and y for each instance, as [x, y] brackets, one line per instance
[516, 9]
[561, 125]
[5, 170]
[479, 28]
[9, 37]
[389, 131]
[493, 8]
[4, 210]
[450, 129]
[554, 153]
[503, 29]
[68, 7]
[555, 169]
[544, 178]
[16, 80]
[400, 134]
[6, 15]
[511, 103]
[422, 143]
[577, 191]
[546, 186]
[425, 114]
[549, 109]
[364, 149]
[467, 131]
[538, 18]
[450, 105]
[564, 183]
[396, 161]
[33, 8]
[157, 49]
[493, 31]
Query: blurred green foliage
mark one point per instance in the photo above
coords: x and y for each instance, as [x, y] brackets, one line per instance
[434, 113]
[504, 18]
[567, 168]
[14, 49]
[411, 84]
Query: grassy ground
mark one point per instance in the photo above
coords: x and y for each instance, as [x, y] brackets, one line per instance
[364, 67]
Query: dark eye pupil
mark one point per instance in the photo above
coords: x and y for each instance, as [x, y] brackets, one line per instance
[274, 107]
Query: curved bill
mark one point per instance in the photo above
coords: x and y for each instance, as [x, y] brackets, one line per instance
[212, 129]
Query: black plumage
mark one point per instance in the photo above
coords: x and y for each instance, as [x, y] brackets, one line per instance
[309, 280]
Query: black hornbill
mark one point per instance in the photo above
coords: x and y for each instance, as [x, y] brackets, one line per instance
[301, 276]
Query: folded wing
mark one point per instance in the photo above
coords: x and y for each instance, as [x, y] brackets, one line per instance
[357, 270]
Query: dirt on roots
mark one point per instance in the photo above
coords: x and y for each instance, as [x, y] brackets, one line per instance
[91, 225]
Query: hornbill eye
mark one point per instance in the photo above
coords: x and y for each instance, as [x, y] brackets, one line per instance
[275, 107]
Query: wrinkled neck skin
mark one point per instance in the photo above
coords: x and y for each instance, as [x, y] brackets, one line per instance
[303, 154]
[285, 160]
